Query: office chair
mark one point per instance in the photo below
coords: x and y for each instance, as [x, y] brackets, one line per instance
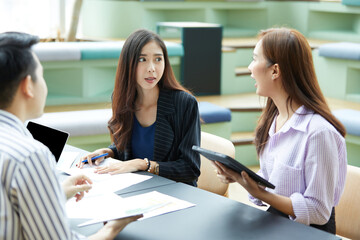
[208, 179]
[347, 212]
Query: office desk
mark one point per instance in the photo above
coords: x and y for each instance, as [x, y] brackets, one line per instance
[213, 217]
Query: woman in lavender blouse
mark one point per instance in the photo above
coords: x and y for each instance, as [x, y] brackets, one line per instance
[299, 142]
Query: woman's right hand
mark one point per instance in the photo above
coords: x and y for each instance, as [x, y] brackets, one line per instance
[98, 152]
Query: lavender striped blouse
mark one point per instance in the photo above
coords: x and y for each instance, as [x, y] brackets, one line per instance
[306, 161]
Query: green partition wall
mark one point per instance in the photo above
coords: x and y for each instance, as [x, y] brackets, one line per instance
[85, 81]
[320, 20]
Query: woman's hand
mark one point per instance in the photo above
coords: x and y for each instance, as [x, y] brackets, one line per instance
[94, 154]
[223, 175]
[123, 167]
[282, 203]
[229, 176]
[75, 186]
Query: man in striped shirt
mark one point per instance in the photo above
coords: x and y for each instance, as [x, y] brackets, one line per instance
[32, 201]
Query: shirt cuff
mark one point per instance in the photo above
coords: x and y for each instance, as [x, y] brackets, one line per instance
[300, 209]
[256, 201]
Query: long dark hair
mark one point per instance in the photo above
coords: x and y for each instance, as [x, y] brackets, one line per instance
[291, 51]
[125, 93]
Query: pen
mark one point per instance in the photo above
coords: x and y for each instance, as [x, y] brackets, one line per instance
[96, 157]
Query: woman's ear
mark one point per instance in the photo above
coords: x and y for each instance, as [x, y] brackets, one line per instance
[275, 71]
[27, 87]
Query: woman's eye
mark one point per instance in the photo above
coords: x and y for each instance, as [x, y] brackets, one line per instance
[159, 59]
[142, 59]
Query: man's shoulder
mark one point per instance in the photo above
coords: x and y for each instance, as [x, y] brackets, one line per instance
[19, 147]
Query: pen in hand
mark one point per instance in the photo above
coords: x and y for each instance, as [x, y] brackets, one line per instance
[96, 157]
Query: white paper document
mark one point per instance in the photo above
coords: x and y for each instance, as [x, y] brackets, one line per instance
[110, 207]
[95, 206]
[70, 158]
[173, 204]
[67, 159]
[106, 183]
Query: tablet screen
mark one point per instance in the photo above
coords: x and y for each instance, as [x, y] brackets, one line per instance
[54, 139]
[233, 164]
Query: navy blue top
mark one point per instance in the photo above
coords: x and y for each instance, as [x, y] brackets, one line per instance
[142, 140]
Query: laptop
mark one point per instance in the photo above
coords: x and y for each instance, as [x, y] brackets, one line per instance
[53, 138]
[233, 164]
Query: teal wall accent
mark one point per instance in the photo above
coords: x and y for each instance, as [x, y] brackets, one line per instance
[85, 81]
[338, 78]
[292, 14]
[331, 76]
[353, 150]
[228, 65]
[77, 82]
[244, 121]
[222, 129]
[99, 16]
[353, 82]
[240, 84]
[334, 21]
[230, 83]
[246, 155]
[320, 20]
[90, 142]
[351, 2]
[111, 19]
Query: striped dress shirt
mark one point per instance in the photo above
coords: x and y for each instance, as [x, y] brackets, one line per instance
[32, 202]
[306, 161]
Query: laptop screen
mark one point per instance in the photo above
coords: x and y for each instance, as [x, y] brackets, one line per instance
[54, 139]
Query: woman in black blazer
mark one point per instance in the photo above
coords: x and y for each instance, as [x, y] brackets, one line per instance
[155, 120]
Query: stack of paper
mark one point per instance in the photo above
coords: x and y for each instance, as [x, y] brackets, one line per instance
[106, 183]
[101, 204]
[110, 207]
[67, 159]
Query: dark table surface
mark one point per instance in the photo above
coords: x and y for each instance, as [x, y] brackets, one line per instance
[213, 217]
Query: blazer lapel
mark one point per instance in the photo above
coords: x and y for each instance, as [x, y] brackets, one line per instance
[164, 133]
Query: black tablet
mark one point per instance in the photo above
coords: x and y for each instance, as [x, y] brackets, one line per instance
[231, 163]
[53, 138]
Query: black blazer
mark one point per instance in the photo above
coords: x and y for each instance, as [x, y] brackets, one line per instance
[177, 129]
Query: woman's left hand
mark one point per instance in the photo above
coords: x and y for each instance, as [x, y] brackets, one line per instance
[118, 167]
